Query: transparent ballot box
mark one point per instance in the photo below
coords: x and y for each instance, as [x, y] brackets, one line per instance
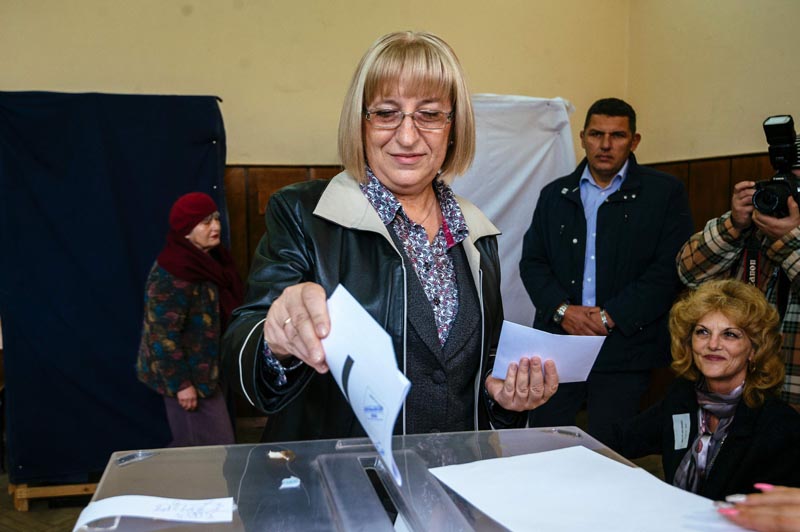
[324, 484]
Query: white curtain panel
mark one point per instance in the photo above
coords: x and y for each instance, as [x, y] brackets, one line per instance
[523, 143]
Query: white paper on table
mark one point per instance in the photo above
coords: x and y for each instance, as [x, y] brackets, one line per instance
[361, 358]
[185, 510]
[578, 489]
[574, 355]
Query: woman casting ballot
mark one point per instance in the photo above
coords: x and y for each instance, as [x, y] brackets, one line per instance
[422, 261]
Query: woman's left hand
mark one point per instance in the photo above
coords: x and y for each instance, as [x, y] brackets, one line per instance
[777, 509]
[526, 386]
[187, 398]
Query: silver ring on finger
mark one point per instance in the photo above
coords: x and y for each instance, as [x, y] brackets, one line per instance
[287, 321]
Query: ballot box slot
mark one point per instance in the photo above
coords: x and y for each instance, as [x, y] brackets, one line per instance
[362, 491]
[354, 503]
[383, 495]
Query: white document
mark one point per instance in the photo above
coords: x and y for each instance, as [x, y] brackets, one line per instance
[185, 510]
[578, 489]
[362, 360]
[574, 355]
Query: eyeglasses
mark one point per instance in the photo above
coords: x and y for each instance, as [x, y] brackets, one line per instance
[423, 119]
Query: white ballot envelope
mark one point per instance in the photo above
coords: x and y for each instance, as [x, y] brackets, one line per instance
[574, 355]
[361, 358]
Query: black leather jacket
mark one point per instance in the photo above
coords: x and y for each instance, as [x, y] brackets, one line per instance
[328, 233]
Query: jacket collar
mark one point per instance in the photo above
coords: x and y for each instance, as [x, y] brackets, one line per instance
[343, 203]
[632, 182]
[745, 417]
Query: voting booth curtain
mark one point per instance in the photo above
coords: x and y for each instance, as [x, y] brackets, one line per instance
[86, 184]
[523, 143]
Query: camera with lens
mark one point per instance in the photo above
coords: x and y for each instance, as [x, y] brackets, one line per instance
[771, 195]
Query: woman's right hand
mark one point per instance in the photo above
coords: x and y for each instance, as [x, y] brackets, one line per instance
[296, 323]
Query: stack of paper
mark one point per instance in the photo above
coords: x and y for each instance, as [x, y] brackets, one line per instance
[575, 489]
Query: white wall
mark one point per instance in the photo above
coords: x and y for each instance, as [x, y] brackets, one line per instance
[706, 73]
[702, 73]
[282, 66]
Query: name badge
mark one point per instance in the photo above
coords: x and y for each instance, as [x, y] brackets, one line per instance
[681, 425]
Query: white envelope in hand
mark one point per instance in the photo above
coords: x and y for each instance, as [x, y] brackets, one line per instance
[361, 358]
[574, 355]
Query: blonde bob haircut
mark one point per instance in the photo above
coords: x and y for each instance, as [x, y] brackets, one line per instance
[427, 66]
[745, 306]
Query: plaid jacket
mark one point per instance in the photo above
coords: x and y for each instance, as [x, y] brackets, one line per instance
[717, 252]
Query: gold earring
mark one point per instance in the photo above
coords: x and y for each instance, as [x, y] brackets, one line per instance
[751, 365]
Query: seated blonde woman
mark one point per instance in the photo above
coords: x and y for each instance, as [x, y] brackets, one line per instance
[721, 427]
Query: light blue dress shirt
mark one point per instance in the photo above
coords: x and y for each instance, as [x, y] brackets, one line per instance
[592, 196]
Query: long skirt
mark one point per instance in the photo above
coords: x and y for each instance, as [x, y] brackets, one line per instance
[209, 424]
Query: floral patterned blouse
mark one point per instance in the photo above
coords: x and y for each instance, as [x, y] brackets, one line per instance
[181, 335]
[430, 260]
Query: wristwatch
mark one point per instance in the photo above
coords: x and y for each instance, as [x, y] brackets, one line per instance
[604, 319]
[560, 312]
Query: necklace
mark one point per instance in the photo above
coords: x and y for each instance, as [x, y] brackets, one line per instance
[430, 211]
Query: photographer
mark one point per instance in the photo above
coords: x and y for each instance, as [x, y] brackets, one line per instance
[748, 244]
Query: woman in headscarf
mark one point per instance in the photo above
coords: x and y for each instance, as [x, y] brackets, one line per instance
[191, 292]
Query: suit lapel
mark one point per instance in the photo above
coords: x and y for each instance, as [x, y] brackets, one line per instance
[420, 316]
[685, 403]
[468, 318]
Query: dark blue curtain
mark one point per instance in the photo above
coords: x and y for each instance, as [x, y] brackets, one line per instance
[86, 183]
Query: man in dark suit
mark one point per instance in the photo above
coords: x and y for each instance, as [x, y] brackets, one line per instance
[599, 259]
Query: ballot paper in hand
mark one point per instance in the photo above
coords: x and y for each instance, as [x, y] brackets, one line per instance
[574, 355]
[361, 358]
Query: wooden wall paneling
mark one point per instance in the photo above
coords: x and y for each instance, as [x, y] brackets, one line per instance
[236, 198]
[709, 189]
[750, 168]
[708, 183]
[323, 172]
[679, 170]
[262, 182]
